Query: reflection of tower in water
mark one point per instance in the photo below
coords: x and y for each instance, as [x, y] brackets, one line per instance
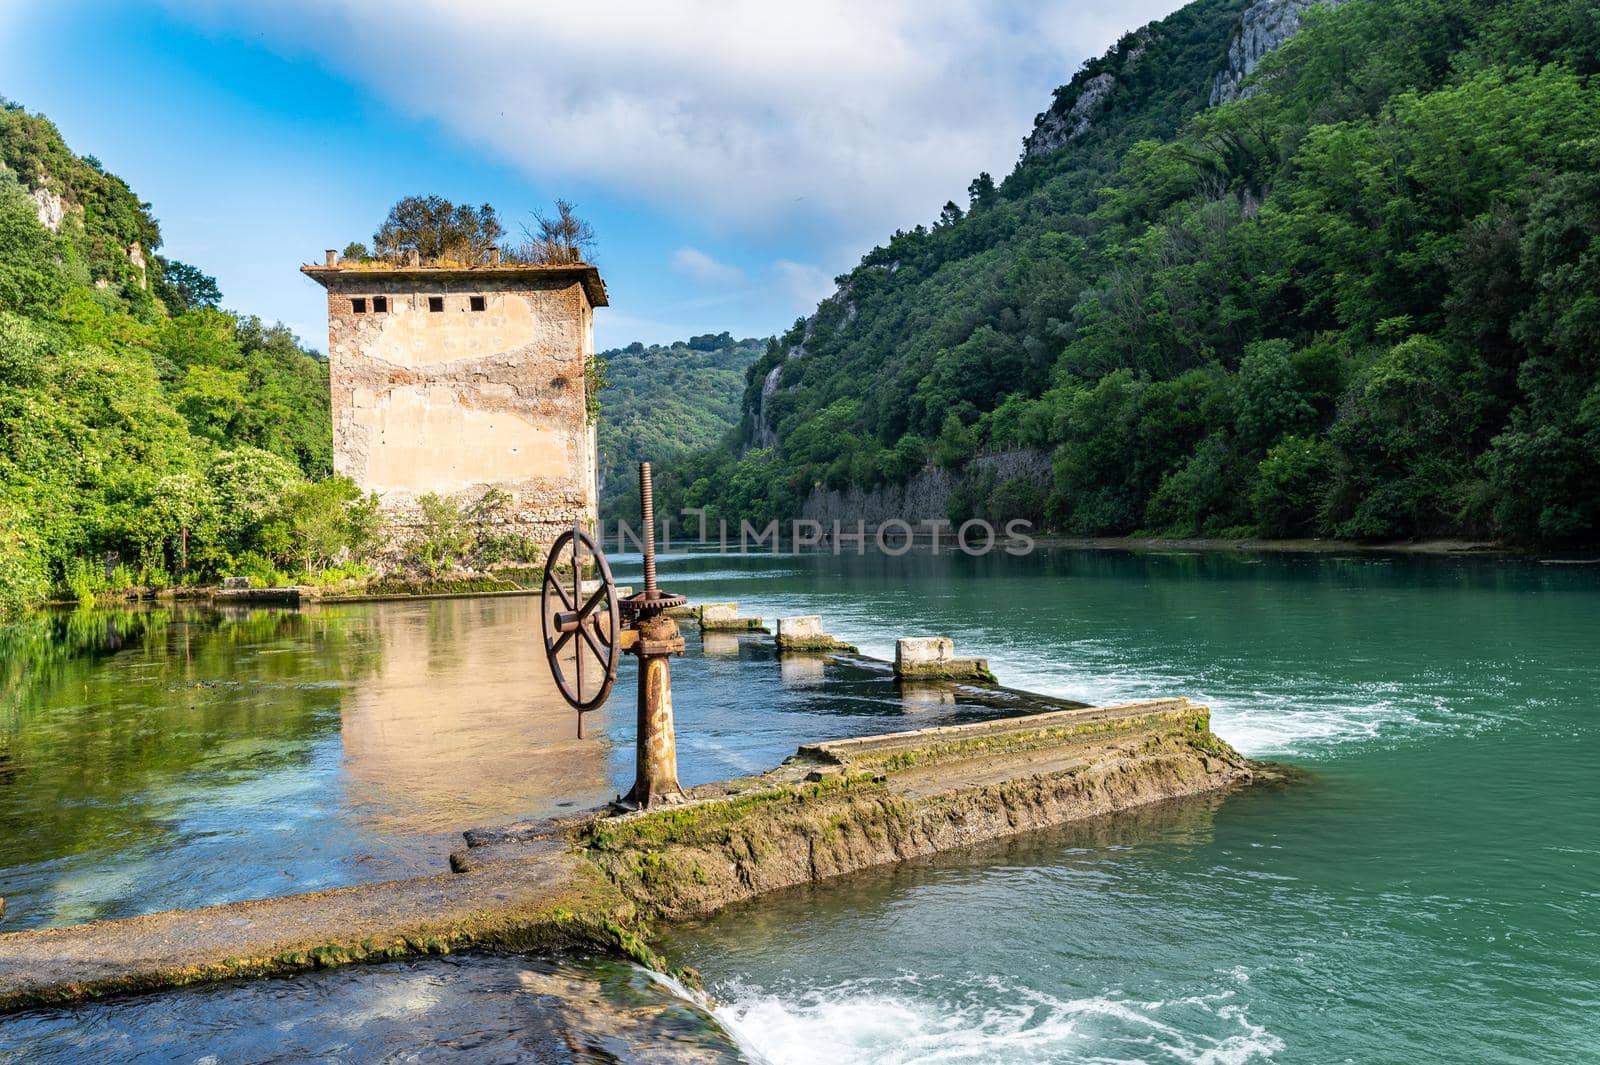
[463, 726]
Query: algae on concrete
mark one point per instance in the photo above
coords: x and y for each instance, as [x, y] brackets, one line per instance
[592, 882]
[839, 807]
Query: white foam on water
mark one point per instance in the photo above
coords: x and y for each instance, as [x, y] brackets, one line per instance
[1299, 716]
[1291, 709]
[901, 1021]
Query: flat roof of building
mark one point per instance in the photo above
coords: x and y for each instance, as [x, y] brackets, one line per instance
[587, 275]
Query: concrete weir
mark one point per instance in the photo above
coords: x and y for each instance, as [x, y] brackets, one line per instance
[597, 881]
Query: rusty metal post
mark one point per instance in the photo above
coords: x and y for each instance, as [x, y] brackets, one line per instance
[656, 759]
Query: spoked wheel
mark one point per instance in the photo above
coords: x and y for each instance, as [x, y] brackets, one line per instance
[580, 629]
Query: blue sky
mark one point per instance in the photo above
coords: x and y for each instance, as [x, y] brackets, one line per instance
[732, 157]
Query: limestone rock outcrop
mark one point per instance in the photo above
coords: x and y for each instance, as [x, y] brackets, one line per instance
[1080, 101]
[765, 431]
[1263, 26]
[925, 496]
[1055, 128]
[50, 208]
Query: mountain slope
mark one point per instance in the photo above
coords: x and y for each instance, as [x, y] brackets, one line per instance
[662, 402]
[1356, 298]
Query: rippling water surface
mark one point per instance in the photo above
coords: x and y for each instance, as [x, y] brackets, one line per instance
[1430, 891]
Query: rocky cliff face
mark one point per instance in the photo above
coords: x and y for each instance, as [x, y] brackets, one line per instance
[926, 495]
[765, 433]
[763, 423]
[1263, 27]
[1055, 128]
[1081, 100]
[50, 208]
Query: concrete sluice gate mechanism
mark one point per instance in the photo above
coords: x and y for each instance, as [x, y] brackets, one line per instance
[588, 628]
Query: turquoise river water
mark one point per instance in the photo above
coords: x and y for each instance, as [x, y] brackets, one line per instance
[1429, 891]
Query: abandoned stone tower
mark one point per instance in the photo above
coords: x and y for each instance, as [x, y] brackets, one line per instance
[458, 379]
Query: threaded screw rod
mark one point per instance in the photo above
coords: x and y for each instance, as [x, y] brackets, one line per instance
[647, 504]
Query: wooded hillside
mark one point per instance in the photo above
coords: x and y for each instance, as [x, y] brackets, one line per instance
[135, 417]
[1362, 301]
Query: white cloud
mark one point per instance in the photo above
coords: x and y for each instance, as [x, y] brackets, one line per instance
[696, 264]
[802, 284]
[846, 119]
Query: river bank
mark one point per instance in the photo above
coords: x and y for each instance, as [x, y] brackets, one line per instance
[1484, 548]
[378, 588]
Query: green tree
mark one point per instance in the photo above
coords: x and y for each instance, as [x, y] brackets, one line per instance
[1290, 485]
[23, 580]
[441, 538]
[437, 230]
[1402, 464]
[1202, 496]
[1544, 467]
[327, 520]
[249, 484]
[981, 192]
[177, 524]
[1272, 402]
[955, 442]
[182, 287]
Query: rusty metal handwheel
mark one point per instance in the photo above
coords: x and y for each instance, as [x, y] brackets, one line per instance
[587, 623]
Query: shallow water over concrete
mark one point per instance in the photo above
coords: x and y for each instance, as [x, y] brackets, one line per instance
[483, 1010]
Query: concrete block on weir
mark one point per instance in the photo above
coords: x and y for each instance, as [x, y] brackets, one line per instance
[805, 633]
[290, 595]
[920, 652]
[934, 657]
[717, 611]
[734, 624]
[724, 617]
[804, 627]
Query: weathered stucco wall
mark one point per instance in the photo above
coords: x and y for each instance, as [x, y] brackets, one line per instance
[457, 401]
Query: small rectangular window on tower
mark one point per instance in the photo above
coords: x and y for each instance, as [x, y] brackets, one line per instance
[358, 305]
[380, 304]
[478, 303]
[436, 303]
